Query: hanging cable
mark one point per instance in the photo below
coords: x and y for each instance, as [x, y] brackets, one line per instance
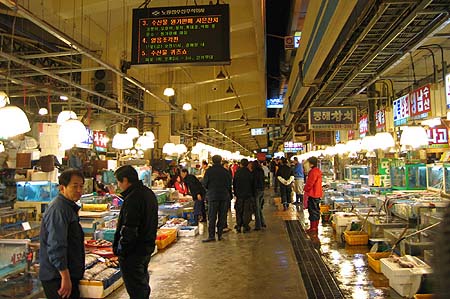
[145, 4]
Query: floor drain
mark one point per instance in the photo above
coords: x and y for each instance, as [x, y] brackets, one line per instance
[319, 281]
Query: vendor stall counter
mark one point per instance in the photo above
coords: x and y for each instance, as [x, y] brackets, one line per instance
[408, 176]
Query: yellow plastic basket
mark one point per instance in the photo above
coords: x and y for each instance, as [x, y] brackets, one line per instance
[356, 238]
[374, 260]
[423, 296]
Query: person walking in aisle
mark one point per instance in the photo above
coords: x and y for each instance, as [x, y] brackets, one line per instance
[258, 179]
[266, 173]
[134, 239]
[198, 193]
[285, 176]
[61, 253]
[299, 181]
[244, 190]
[217, 182]
[313, 193]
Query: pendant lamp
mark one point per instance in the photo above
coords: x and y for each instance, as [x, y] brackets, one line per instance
[384, 140]
[414, 136]
[72, 132]
[133, 132]
[65, 115]
[13, 121]
[122, 141]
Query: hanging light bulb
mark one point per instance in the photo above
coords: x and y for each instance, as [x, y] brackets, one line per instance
[169, 92]
[414, 136]
[384, 140]
[13, 121]
[63, 98]
[369, 143]
[43, 111]
[65, 115]
[133, 132]
[122, 141]
[169, 148]
[187, 106]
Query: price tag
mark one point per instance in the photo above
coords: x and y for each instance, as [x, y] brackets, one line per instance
[26, 226]
[102, 260]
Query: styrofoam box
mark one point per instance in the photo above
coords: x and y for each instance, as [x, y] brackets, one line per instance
[188, 231]
[344, 219]
[404, 280]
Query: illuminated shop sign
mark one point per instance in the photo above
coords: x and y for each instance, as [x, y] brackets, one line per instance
[258, 131]
[363, 125]
[333, 118]
[401, 110]
[438, 136]
[293, 147]
[420, 101]
[275, 103]
[380, 119]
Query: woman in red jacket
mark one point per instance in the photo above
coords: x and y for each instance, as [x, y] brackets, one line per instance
[313, 191]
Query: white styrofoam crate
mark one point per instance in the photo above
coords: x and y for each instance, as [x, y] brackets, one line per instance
[188, 231]
[94, 289]
[344, 219]
[403, 276]
[405, 290]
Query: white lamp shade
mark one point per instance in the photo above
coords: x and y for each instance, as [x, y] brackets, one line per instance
[150, 135]
[13, 121]
[2, 147]
[414, 136]
[122, 141]
[384, 140]
[340, 148]
[133, 132]
[4, 99]
[144, 142]
[169, 92]
[169, 148]
[181, 148]
[369, 143]
[354, 146]
[72, 132]
[65, 115]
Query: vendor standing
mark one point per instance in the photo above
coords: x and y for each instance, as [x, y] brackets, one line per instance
[313, 193]
[198, 193]
[61, 238]
[134, 240]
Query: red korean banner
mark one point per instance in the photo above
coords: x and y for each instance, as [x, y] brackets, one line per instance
[100, 140]
[351, 134]
[363, 125]
[420, 101]
[380, 118]
[438, 135]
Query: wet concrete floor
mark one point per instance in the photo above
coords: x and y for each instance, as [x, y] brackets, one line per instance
[260, 264]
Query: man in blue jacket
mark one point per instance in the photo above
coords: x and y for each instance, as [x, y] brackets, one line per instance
[217, 181]
[299, 181]
[61, 252]
[134, 240]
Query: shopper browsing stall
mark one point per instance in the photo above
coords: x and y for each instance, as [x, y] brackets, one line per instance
[258, 180]
[134, 240]
[61, 252]
[244, 190]
[313, 193]
[198, 195]
[299, 181]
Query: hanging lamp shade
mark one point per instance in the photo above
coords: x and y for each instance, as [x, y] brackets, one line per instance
[72, 132]
[4, 99]
[65, 115]
[187, 106]
[340, 148]
[122, 141]
[169, 92]
[133, 132]
[13, 121]
[2, 147]
[384, 140]
[169, 148]
[43, 111]
[150, 135]
[414, 136]
[144, 142]
[369, 143]
[181, 148]
[354, 146]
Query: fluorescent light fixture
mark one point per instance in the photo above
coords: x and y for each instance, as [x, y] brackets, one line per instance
[63, 98]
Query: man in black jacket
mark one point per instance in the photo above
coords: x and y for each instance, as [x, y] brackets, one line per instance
[285, 176]
[259, 182]
[217, 181]
[244, 189]
[62, 240]
[198, 195]
[134, 240]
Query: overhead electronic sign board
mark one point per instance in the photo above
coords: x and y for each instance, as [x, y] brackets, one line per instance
[258, 131]
[182, 35]
[276, 103]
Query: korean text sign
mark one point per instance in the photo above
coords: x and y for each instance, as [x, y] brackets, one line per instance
[184, 34]
[333, 118]
[363, 125]
[380, 119]
[438, 135]
[420, 101]
[401, 110]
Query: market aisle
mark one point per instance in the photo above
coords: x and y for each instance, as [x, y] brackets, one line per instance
[260, 264]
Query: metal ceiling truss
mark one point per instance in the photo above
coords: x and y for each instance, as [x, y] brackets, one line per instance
[388, 31]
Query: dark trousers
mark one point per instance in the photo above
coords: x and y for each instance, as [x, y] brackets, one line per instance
[135, 275]
[285, 194]
[314, 209]
[217, 211]
[259, 216]
[244, 210]
[199, 210]
[51, 288]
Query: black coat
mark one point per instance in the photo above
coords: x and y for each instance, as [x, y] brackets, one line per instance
[217, 181]
[258, 179]
[243, 183]
[285, 172]
[138, 222]
[194, 185]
